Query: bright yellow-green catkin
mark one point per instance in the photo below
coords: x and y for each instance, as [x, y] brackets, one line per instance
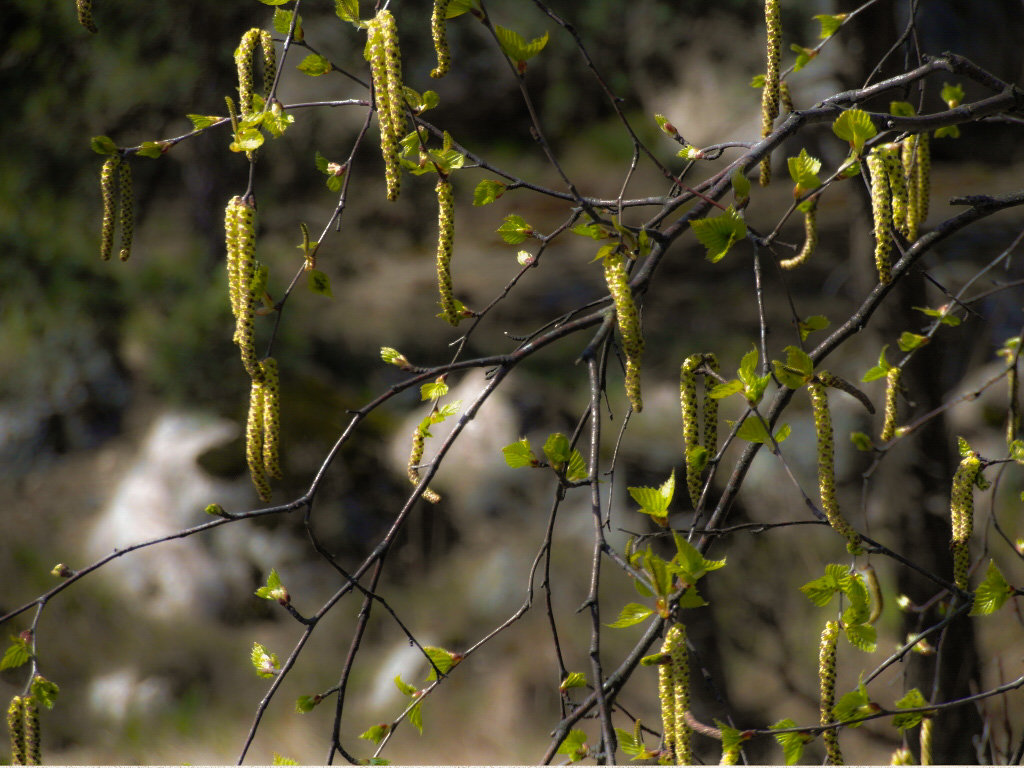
[243, 63]
[810, 237]
[393, 64]
[881, 211]
[439, 31]
[127, 217]
[445, 239]
[242, 275]
[730, 755]
[826, 464]
[108, 188]
[909, 161]
[902, 756]
[1013, 411]
[33, 747]
[16, 730]
[629, 323]
[892, 390]
[961, 506]
[688, 402]
[786, 97]
[269, 61]
[231, 245]
[710, 407]
[667, 699]
[675, 638]
[84, 8]
[897, 179]
[254, 431]
[770, 94]
[384, 92]
[415, 457]
[271, 418]
[926, 740]
[917, 162]
[827, 683]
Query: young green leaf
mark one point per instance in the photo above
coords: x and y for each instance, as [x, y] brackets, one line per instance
[718, 234]
[573, 680]
[952, 94]
[593, 230]
[404, 687]
[103, 145]
[810, 324]
[575, 746]
[992, 592]
[519, 454]
[306, 704]
[44, 691]
[948, 132]
[792, 743]
[879, 371]
[862, 636]
[377, 733]
[319, 283]
[556, 449]
[943, 314]
[856, 703]
[803, 56]
[740, 187]
[416, 716]
[347, 10]
[516, 48]
[797, 370]
[202, 121]
[689, 564]
[665, 125]
[443, 659]
[487, 191]
[909, 341]
[861, 441]
[283, 22]
[273, 589]
[433, 390]
[577, 470]
[632, 613]
[912, 700]
[264, 661]
[17, 654]
[724, 390]
[829, 23]
[655, 501]
[753, 430]
[856, 127]
[803, 169]
[515, 230]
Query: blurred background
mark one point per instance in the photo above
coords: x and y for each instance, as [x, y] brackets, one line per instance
[122, 400]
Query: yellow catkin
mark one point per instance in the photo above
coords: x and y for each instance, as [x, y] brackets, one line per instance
[271, 418]
[675, 640]
[892, 390]
[231, 246]
[881, 211]
[770, 94]
[84, 8]
[243, 63]
[108, 188]
[33, 746]
[786, 97]
[730, 756]
[666, 697]
[827, 683]
[629, 323]
[826, 465]
[254, 441]
[908, 159]
[897, 179]
[926, 740]
[269, 61]
[16, 730]
[902, 756]
[127, 213]
[244, 272]
[923, 177]
[688, 403]
[415, 457]
[383, 91]
[439, 31]
[393, 65]
[1013, 410]
[710, 407]
[810, 237]
[445, 240]
[961, 507]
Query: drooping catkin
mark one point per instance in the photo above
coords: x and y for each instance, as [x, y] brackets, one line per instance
[892, 390]
[676, 637]
[231, 246]
[710, 407]
[911, 168]
[383, 67]
[688, 402]
[961, 507]
[786, 98]
[881, 211]
[84, 8]
[617, 278]
[393, 64]
[254, 431]
[439, 32]
[770, 94]
[810, 236]
[16, 731]
[826, 464]
[415, 457]
[241, 271]
[897, 179]
[269, 61]
[667, 699]
[1013, 410]
[271, 418]
[445, 240]
[108, 189]
[827, 685]
[922, 177]
[243, 64]
[127, 213]
[33, 746]
[927, 726]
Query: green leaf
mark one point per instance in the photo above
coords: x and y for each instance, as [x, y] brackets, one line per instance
[757, 81]
[275, 2]
[246, 140]
[690, 152]
[515, 230]
[416, 716]
[281, 759]
[992, 593]
[948, 132]
[912, 700]
[573, 680]
[319, 283]
[305, 704]
[861, 441]
[459, 7]
[697, 456]
[377, 733]
[103, 145]
[665, 125]
[820, 591]
[519, 454]
[516, 48]
[630, 744]
[632, 613]
[829, 23]
[753, 430]
[17, 653]
[803, 169]
[740, 186]
[577, 470]
[574, 745]
[748, 367]
[792, 743]
[803, 56]
[152, 149]
[879, 371]
[862, 636]
[856, 703]
[689, 564]
[202, 121]
[1016, 451]
[732, 738]
[276, 121]
[655, 501]
[487, 191]
[556, 449]
[909, 341]
[420, 102]
[594, 231]
[952, 94]
[44, 691]
[433, 390]
[314, 65]
[273, 590]
[660, 573]
[902, 108]
[404, 687]
[797, 370]
[283, 22]
[810, 324]
[347, 10]
[443, 659]
[264, 661]
[856, 127]
[962, 446]
[724, 390]
[691, 599]
[446, 411]
[718, 234]
[942, 313]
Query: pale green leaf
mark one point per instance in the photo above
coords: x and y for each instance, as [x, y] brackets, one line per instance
[992, 593]
[632, 613]
[519, 454]
[718, 234]
[856, 127]
[487, 191]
